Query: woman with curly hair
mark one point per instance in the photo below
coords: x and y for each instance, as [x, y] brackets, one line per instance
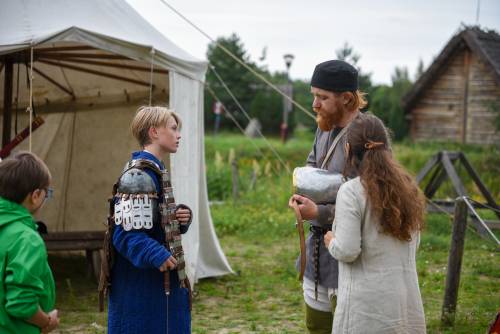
[376, 232]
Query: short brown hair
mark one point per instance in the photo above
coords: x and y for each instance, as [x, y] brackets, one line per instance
[21, 174]
[150, 116]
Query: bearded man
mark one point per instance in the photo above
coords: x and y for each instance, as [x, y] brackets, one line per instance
[337, 101]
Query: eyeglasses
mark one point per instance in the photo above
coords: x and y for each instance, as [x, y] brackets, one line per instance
[49, 193]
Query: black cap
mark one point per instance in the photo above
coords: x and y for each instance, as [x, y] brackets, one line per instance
[335, 76]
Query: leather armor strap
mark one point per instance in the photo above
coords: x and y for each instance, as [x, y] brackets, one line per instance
[317, 240]
[143, 164]
[186, 283]
[171, 226]
[107, 255]
[332, 147]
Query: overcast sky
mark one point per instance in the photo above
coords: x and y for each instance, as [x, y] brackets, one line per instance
[385, 33]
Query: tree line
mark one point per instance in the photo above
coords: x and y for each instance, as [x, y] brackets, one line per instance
[263, 103]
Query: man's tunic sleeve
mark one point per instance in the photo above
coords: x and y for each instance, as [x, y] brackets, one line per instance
[326, 212]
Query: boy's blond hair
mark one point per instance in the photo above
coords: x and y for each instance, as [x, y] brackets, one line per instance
[151, 116]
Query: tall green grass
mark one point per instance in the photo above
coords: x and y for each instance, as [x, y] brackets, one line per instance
[257, 233]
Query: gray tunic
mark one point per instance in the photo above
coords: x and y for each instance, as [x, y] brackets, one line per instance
[328, 266]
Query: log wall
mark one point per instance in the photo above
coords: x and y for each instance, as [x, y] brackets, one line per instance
[482, 101]
[457, 106]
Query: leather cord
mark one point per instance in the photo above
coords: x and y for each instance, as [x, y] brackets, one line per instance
[300, 229]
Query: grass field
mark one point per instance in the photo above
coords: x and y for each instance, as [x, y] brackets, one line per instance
[257, 234]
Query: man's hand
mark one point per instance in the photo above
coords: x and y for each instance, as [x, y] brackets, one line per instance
[308, 209]
[171, 263]
[53, 322]
[183, 215]
[328, 237]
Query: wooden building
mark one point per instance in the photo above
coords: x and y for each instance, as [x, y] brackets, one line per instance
[458, 97]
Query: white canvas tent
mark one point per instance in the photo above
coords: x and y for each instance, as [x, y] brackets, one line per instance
[92, 64]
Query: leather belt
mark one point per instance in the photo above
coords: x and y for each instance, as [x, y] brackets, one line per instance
[318, 230]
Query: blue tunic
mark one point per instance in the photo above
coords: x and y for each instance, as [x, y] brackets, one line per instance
[137, 301]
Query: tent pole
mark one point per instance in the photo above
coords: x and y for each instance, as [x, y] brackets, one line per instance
[55, 83]
[102, 63]
[7, 101]
[95, 72]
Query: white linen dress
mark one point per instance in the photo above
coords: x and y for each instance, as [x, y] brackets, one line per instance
[378, 284]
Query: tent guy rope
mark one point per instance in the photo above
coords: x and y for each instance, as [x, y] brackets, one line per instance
[232, 55]
[30, 108]
[151, 76]
[451, 216]
[249, 119]
[235, 121]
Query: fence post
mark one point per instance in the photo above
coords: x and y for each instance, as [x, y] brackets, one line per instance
[253, 180]
[234, 172]
[454, 262]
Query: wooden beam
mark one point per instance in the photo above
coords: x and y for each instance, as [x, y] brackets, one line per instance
[25, 133]
[73, 245]
[103, 63]
[427, 168]
[55, 83]
[71, 236]
[99, 73]
[482, 187]
[437, 178]
[453, 155]
[66, 48]
[454, 263]
[452, 173]
[65, 55]
[493, 224]
[7, 101]
[433, 209]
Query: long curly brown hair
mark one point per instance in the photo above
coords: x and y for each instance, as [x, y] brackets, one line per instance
[393, 194]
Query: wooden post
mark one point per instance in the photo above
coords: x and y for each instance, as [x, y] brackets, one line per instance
[234, 170]
[454, 262]
[93, 257]
[452, 174]
[90, 267]
[253, 180]
[7, 101]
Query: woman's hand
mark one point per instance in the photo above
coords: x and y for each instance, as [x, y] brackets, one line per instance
[53, 322]
[183, 216]
[169, 264]
[328, 237]
[308, 209]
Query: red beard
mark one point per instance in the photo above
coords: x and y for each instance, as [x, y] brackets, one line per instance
[327, 121]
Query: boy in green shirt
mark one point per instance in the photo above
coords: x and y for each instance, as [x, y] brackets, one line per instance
[27, 290]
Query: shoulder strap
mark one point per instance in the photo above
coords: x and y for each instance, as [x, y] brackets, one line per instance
[332, 147]
[143, 164]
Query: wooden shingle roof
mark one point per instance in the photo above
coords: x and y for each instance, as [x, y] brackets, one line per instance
[484, 43]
